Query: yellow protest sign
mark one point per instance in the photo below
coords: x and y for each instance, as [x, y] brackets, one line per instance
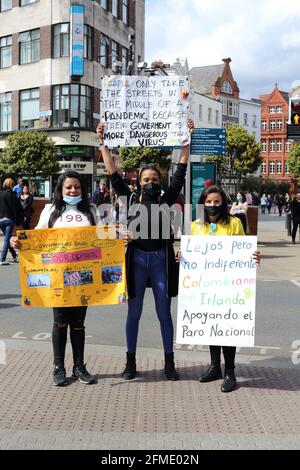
[73, 267]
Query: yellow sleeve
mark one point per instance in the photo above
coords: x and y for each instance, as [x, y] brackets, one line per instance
[237, 226]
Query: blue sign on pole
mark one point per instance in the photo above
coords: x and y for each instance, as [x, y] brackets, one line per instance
[208, 142]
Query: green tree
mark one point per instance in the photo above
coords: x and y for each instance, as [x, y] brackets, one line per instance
[29, 153]
[294, 162]
[252, 184]
[243, 152]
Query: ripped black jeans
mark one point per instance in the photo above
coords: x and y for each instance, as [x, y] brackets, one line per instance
[62, 317]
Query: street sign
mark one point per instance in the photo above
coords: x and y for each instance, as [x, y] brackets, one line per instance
[208, 142]
[293, 132]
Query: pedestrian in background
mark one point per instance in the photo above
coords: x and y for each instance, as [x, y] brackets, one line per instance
[217, 221]
[147, 258]
[26, 200]
[295, 211]
[18, 187]
[11, 214]
[239, 209]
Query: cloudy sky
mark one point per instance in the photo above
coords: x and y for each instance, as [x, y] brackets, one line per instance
[262, 37]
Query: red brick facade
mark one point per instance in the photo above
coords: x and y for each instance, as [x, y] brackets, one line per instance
[274, 146]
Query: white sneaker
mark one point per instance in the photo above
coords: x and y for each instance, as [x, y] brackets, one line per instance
[4, 263]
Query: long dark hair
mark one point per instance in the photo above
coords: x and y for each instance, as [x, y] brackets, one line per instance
[59, 204]
[224, 215]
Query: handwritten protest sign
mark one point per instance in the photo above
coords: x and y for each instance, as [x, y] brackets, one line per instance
[217, 289]
[63, 268]
[145, 111]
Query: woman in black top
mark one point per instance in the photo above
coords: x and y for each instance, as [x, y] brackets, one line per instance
[26, 200]
[11, 214]
[150, 257]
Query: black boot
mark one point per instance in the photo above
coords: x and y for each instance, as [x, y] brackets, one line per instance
[214, 372]
[229, 383]
[130, 369]
[169, 369]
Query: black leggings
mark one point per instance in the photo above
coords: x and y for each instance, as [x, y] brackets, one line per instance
[73, 316]
[228, 353]
[296, 222]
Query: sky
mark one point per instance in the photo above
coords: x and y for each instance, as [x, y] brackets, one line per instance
[262, 38]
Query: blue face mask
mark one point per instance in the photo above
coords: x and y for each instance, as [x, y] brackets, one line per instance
[72, 200]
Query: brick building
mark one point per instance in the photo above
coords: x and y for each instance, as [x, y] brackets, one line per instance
[274, 144]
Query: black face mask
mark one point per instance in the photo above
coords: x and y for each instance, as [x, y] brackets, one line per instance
[151, 190]
[213, 210]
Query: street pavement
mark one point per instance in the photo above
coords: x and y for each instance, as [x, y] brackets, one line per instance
[150, 413]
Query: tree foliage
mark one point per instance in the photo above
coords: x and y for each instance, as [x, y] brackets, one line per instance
[29, 153]
[134, 157]
[294, 162]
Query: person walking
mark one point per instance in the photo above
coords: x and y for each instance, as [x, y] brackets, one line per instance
[26, 200]
[217, 221]
[295, 211]
[239, 209]
[11, 214]
[70, 208]
[263, 203]
[149, 259]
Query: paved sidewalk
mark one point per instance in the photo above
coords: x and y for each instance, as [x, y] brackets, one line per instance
[150, 412]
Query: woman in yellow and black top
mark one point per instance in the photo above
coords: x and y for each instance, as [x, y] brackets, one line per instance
[217, 221]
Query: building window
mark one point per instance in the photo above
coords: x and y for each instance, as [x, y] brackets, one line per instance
[115, 8]
[263, 168]
[278, 109]
[226, 88]
[200, 112]
[26, 2]
[286, 168]
[272, 124]
[5, 52]
[114, 53]
[272, 110]
[29, 46]
[124, 60]
[288, 145]
[125, 11]
[30, 108]
[245, 119]
[279, 124]
[104, 4]
[5, 5]
[254, 120]
[272, 145]
[263, 125]
[209, 114]
[278, 168]
[72, 106]
[217, 116]
[279, 145]
[104, 50]
[233, 110]
[263, 146]
[88, 41]
[5, 112]
[272, 168]
[61, 42]
[224, 106]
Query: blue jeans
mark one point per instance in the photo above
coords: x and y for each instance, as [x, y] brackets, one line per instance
[7, 226]
[150, 265]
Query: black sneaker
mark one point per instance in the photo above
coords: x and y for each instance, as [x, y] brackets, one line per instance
[59, 376]
[80, 373]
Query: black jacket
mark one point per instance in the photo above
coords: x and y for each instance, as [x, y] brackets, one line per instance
[169, 198]
[295, 208]
[10, 206]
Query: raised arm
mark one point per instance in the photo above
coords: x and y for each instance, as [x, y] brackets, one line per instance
[107, 158]
[185, 151]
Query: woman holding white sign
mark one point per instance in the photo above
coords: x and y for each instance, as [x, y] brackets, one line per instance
[150, 257]
[217, 221]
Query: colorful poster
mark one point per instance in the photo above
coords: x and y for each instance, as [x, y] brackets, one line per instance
[145, 111]
[73, 267]
[217, 290]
